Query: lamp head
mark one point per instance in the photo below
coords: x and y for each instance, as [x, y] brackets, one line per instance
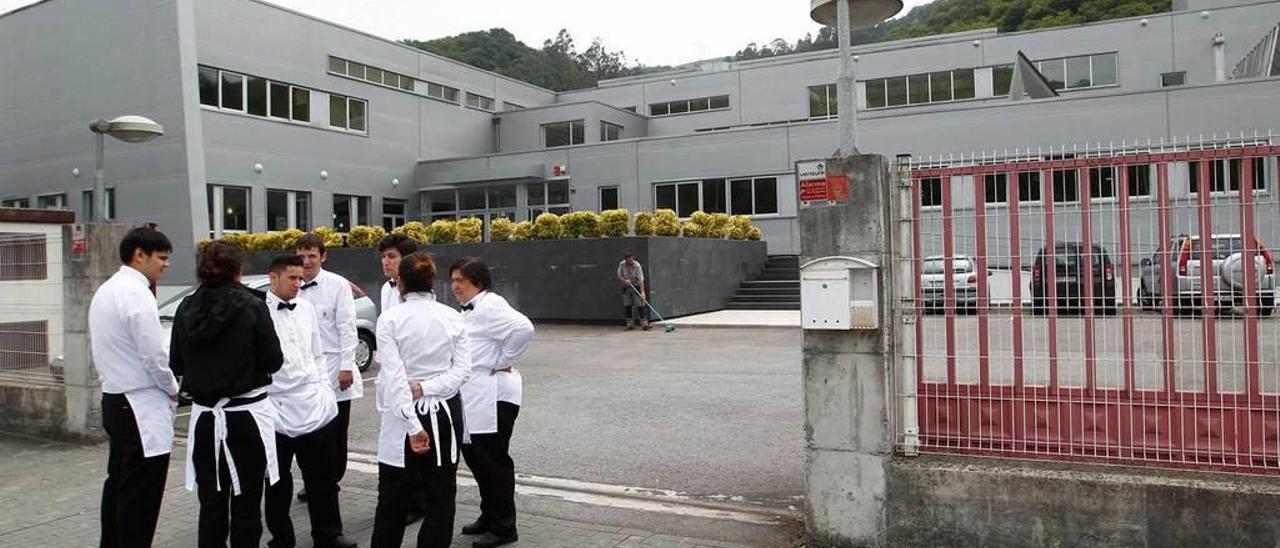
[862, 13]
[130, 129]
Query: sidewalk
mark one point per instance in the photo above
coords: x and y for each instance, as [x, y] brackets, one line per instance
[740, 318]
[51, 498]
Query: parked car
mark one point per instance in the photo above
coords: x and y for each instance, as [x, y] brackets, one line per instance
[366, 317]
[965, 277]
[1227, 275]
[1069, 280]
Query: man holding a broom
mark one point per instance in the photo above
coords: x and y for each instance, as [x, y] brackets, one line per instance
[631, 274]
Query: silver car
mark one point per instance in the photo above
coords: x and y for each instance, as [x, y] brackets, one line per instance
[965, 280]
[366, 317]
[1226, 275]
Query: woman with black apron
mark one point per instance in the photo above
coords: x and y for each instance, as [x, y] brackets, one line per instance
[225, 348]
[424, 360]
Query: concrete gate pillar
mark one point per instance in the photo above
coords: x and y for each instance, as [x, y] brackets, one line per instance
[84, 273]
[847, 384]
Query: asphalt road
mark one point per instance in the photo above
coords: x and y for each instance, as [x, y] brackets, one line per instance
[715, 413]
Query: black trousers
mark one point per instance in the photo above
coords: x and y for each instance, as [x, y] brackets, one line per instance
[343, 424]
[489, 458]
[439, 487]
[316, 459]
[134, 486]
[222, 512]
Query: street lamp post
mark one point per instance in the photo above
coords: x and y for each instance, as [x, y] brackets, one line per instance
[130, 129]
[847, 15]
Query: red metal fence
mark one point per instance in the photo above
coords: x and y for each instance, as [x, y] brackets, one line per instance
[1108, 306]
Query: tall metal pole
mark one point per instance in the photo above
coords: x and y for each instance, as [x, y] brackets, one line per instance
[846, 90]
[99, 185]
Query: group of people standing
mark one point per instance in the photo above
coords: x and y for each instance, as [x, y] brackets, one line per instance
[271, 378]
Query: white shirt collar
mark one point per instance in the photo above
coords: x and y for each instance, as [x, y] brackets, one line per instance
[476, 298]
[136, 274]
[273, 299]
[420, 296]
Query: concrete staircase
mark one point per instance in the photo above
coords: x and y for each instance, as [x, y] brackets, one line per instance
[777, 288]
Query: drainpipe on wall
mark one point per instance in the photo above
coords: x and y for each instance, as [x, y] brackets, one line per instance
[1219, 58]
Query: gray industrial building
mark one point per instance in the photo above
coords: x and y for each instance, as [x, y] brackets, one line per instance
[276, 119]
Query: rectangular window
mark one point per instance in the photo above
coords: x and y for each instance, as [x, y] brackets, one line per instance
[88, 206]
[997, 188]
[664, 197]
[1104, 70]
[503, 196]
[561, 134]
[393, 213]
[766, 194]
[442, 92]
[931, 192]
[347, 113]
[701, 104]
[232, 91]
[714, 199]
[632, 109]
[1079, 74]
[52, 201]
[228, 209]
[355, 70]
[1139, 181]
[1102, 183]
[208, 82]
[610, 132]
[741, 199]
[373, 74]
[288, 209]
[337, 65]
[608, 198]
[1171, 79]
[1029, 187]
[963, 84]
[440, 201]
[686, 199]
[471, 198]
[1001, 80]
[940, 87]
[279, 102]
[257, 100]
[479, 101]
[822, 101]
[349, 211]
[16, 202]
[1054, 71]
[896, 91]
[301, 104]
[875, 94]
[918, 89]
[507, 106]
[549, 197]
[1066, 186]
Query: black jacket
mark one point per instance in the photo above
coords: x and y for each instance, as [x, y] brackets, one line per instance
[223, 343]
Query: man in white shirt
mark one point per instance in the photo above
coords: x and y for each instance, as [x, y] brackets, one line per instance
[139, 391]
[306, 410]
[335, 306]
[498, 335]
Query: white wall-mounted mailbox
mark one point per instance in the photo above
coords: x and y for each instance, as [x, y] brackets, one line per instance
[840, 293]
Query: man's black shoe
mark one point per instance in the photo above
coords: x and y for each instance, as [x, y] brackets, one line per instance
[337, 542]
[490, 540]
[412, 516]
[474, 528]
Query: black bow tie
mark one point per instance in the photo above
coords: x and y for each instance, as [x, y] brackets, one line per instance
[283, 305]
[392, 282]
[310, 284]
[467, 307]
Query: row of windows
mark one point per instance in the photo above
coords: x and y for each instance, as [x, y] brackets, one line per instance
[479, 101]
[1225, 178]
[574, 132]
[685, 106]
[386, 78]
[1065, 73]
[253, 95]
[745, 196]
[919, 89]
[59, 201]
[229, 210]
[491, 202]
[822, 101]
[348, 113]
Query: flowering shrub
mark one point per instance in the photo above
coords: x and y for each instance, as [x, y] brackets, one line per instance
[523, 231]
[548, 227]
[442, 232]
[581, 224]
[365, 236]
[470, 230]
[330, 236]
[666, 223]
[718, 227]
[242, 239]
[501, 229]
[644, 223]
[415, 230]
[739, 227]
[290, 237]
[754, 234]
[615, 223]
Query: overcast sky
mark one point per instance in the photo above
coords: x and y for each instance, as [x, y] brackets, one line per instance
[654, 32]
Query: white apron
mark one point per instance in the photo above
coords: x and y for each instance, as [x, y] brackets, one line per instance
[154, 412]
[355, 391]
[480, 402]
[264, 414]
[392, 432]
[510, 386]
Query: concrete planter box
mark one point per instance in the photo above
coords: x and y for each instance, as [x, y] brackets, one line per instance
[574, 280]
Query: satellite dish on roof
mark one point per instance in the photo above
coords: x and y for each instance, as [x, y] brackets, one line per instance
[862, 13]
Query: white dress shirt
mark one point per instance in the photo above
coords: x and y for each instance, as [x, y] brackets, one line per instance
[300, 389]
[128, 350]
[499, 335]
[422, 341]
[390, 296]
[335, 306]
